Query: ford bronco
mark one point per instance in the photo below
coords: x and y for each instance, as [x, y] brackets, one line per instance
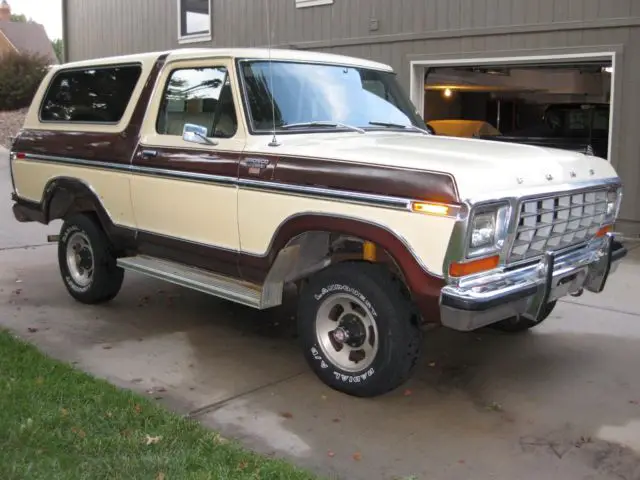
[237, 172]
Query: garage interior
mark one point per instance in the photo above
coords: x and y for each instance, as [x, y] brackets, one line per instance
[560, 105]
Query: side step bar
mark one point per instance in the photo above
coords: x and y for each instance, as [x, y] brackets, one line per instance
[226, 288]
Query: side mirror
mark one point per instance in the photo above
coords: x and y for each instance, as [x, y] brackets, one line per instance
[196, 134]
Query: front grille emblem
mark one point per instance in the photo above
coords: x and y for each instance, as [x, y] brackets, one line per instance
[549, 177]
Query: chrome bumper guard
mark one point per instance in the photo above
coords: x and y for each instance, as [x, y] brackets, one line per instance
[482, 300]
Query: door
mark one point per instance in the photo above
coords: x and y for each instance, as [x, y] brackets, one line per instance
[184, 193]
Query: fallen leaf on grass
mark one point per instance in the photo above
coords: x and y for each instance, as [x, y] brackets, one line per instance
[39, 381]
[79, 432]
[243, 465]
[108, 415]
[160, 476]
[137, 408]
[217, 438]
[125, 433]
[286, 415]
[64, 412]
[32, 330]
[27, 424]
[357, 456]
[152, 440]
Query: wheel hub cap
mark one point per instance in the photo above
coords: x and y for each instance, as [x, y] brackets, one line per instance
[347, 332]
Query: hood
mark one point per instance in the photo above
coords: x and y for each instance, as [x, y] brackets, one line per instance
[478, 166]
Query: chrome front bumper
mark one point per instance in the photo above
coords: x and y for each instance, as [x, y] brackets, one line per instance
[485, 299]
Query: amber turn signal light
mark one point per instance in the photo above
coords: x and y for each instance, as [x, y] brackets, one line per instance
[603, 231]
[475, 266]
[430, 208]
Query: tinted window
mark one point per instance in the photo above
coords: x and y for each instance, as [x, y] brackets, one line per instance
[324, 93]
[198, 96]
[99, 95]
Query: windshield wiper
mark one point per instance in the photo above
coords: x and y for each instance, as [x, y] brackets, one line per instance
[398, 125]
[322, 124]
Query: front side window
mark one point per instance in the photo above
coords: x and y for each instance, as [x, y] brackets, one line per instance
[306, 93]
[92, 95]
[198, 96]
[195, 18]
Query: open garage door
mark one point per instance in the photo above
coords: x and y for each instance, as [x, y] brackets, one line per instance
[559, 105]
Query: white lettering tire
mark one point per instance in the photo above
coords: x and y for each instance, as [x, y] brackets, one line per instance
[363, 306]
[87, 262]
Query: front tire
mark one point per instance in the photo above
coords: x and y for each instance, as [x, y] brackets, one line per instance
[358, 330]
[87, 262]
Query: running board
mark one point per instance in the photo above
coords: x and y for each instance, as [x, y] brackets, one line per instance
[220, 286]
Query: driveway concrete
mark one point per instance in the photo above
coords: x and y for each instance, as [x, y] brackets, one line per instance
[562, 402]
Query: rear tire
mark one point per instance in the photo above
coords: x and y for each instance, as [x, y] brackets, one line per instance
[521, 324]
[87, 261]
[358, 329]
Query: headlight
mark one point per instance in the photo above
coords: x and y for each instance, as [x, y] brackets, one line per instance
[614, 199]
[488, 231]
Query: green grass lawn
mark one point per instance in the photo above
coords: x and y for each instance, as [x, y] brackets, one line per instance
[59, 423]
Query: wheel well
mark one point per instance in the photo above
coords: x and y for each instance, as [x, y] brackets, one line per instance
[67, 197]
[64, 202]
[311, 252]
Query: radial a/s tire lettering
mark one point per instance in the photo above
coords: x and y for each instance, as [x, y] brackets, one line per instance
[358, 330]
[87, 262]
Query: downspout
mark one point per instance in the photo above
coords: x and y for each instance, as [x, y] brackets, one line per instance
[65, 33]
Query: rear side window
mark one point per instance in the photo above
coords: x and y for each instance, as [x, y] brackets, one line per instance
[92, 95]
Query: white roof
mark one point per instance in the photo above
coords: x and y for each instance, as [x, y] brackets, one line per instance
[252, 53]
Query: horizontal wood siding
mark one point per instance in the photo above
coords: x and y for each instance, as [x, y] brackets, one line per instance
[404, 28]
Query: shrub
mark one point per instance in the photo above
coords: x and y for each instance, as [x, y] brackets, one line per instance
[20, 76]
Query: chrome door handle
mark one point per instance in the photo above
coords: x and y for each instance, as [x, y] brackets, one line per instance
[149, 153]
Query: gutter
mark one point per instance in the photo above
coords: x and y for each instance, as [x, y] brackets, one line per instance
[65, 31]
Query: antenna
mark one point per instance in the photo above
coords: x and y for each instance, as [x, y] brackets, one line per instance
[274, 141]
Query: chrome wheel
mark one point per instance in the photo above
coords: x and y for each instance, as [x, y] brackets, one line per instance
[80, 260]
[347, 332]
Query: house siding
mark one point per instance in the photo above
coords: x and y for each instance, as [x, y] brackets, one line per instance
[406, 30]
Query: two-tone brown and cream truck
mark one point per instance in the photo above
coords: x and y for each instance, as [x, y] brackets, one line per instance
[237, 172]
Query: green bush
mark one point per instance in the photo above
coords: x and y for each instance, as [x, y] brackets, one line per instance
[20, 76]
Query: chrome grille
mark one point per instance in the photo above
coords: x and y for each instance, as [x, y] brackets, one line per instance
[558, 222]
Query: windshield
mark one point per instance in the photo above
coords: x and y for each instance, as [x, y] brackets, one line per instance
[305, 94]
[577, 121]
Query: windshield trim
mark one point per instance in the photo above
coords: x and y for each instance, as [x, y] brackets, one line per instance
[246, 110]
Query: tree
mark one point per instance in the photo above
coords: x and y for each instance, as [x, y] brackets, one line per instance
[58, 47]
[20, 76]
[20, 17]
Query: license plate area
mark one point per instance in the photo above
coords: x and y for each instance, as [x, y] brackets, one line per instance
[567, 284]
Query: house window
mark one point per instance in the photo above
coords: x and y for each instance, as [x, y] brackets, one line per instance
[194, 20]
[312, 3]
